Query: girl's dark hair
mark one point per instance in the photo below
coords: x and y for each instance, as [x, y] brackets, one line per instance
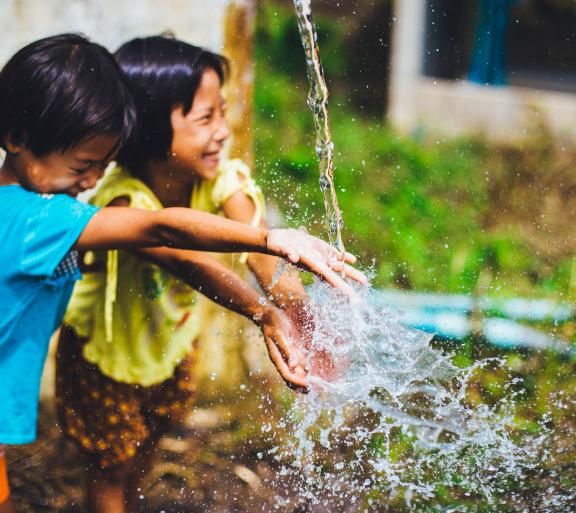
[59, 90]
[162, 72]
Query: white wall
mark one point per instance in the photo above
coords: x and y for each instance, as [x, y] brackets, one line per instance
[111, 22]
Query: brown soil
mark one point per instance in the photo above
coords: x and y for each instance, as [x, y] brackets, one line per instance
[198, 470]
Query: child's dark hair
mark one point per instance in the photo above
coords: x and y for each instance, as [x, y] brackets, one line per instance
[59, 90]
[162, 72]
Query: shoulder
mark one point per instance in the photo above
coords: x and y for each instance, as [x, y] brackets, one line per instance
[233, 176]
[33, 203]
[233, 168]
[120, 183]
[11, 194]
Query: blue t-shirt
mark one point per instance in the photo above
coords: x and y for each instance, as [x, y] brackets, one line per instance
[37, 273]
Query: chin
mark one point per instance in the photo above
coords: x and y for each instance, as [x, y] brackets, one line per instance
[208, 174]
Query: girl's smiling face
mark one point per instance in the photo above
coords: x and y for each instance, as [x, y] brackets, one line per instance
[199, 135]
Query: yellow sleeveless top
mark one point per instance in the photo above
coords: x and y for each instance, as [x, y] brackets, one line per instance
[139, 320]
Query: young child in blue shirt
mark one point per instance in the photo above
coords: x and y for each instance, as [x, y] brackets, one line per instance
[65, 113]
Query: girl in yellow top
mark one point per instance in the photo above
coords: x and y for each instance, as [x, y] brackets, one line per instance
[124, 361]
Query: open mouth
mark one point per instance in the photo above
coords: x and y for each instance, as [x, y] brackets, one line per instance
[211, 158]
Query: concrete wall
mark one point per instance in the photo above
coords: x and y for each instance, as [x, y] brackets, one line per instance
[111, 22]
[501, 113]
[455, 107]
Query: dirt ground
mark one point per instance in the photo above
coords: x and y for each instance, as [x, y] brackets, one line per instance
[198, 471]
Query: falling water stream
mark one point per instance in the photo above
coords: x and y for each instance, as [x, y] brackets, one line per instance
[388, 415]
[318, 103]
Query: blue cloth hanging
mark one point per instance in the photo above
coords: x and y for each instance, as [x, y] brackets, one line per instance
[488, 57]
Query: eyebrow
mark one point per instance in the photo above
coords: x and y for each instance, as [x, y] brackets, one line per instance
[207, 110]
[211, 109]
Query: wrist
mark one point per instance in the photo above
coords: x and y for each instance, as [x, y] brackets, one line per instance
[266, 235]
[263, 313]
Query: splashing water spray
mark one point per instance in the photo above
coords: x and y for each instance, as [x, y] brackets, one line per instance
[388, 417]
[391, 419]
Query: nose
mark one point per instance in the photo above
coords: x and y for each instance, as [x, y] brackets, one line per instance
[223, 131]
[89, 180]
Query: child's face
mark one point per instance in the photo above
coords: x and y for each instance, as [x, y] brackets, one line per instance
[199, 135]
[71, 172]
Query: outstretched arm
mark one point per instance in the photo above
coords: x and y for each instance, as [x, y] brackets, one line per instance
[204, 273]
[129, 228]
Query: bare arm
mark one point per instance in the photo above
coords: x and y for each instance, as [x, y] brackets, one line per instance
[207, 275]
[204, 273]
[217, 282]
[130, 228]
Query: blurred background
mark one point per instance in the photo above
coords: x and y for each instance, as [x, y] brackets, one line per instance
[454, 125]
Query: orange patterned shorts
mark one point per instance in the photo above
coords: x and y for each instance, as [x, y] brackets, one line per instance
[111, 420]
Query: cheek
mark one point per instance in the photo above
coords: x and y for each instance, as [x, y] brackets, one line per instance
[189, 144]
[63, 182]
[58, 182]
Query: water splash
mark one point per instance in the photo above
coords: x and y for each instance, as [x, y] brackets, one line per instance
[318, 103]
[388, 413]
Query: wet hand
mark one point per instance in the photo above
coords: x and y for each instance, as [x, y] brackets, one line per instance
[281, 336]
[326, 363]
[317, 256]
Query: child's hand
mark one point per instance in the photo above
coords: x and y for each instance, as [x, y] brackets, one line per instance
[322, 362]
[315, 255]
[281, 337]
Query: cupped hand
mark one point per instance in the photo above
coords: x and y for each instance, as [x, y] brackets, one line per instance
[315, 255]
[281, 336]
[324, 363]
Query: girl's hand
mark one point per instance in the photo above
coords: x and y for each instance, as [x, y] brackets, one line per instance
[281, 338]
[321, 362]
[315, 255]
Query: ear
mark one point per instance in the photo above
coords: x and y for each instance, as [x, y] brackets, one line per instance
[12, 147]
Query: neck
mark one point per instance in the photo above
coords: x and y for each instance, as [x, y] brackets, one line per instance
[168, 184]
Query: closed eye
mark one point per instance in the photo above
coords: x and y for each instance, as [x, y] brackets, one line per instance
[79, 171]
[88, 166]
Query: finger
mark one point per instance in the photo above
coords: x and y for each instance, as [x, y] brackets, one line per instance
[354, 274]
[288, 351]
[292, 255]
[349, 258]
[341, 257]
[331, 277]
[292, 378]
[301, 374]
